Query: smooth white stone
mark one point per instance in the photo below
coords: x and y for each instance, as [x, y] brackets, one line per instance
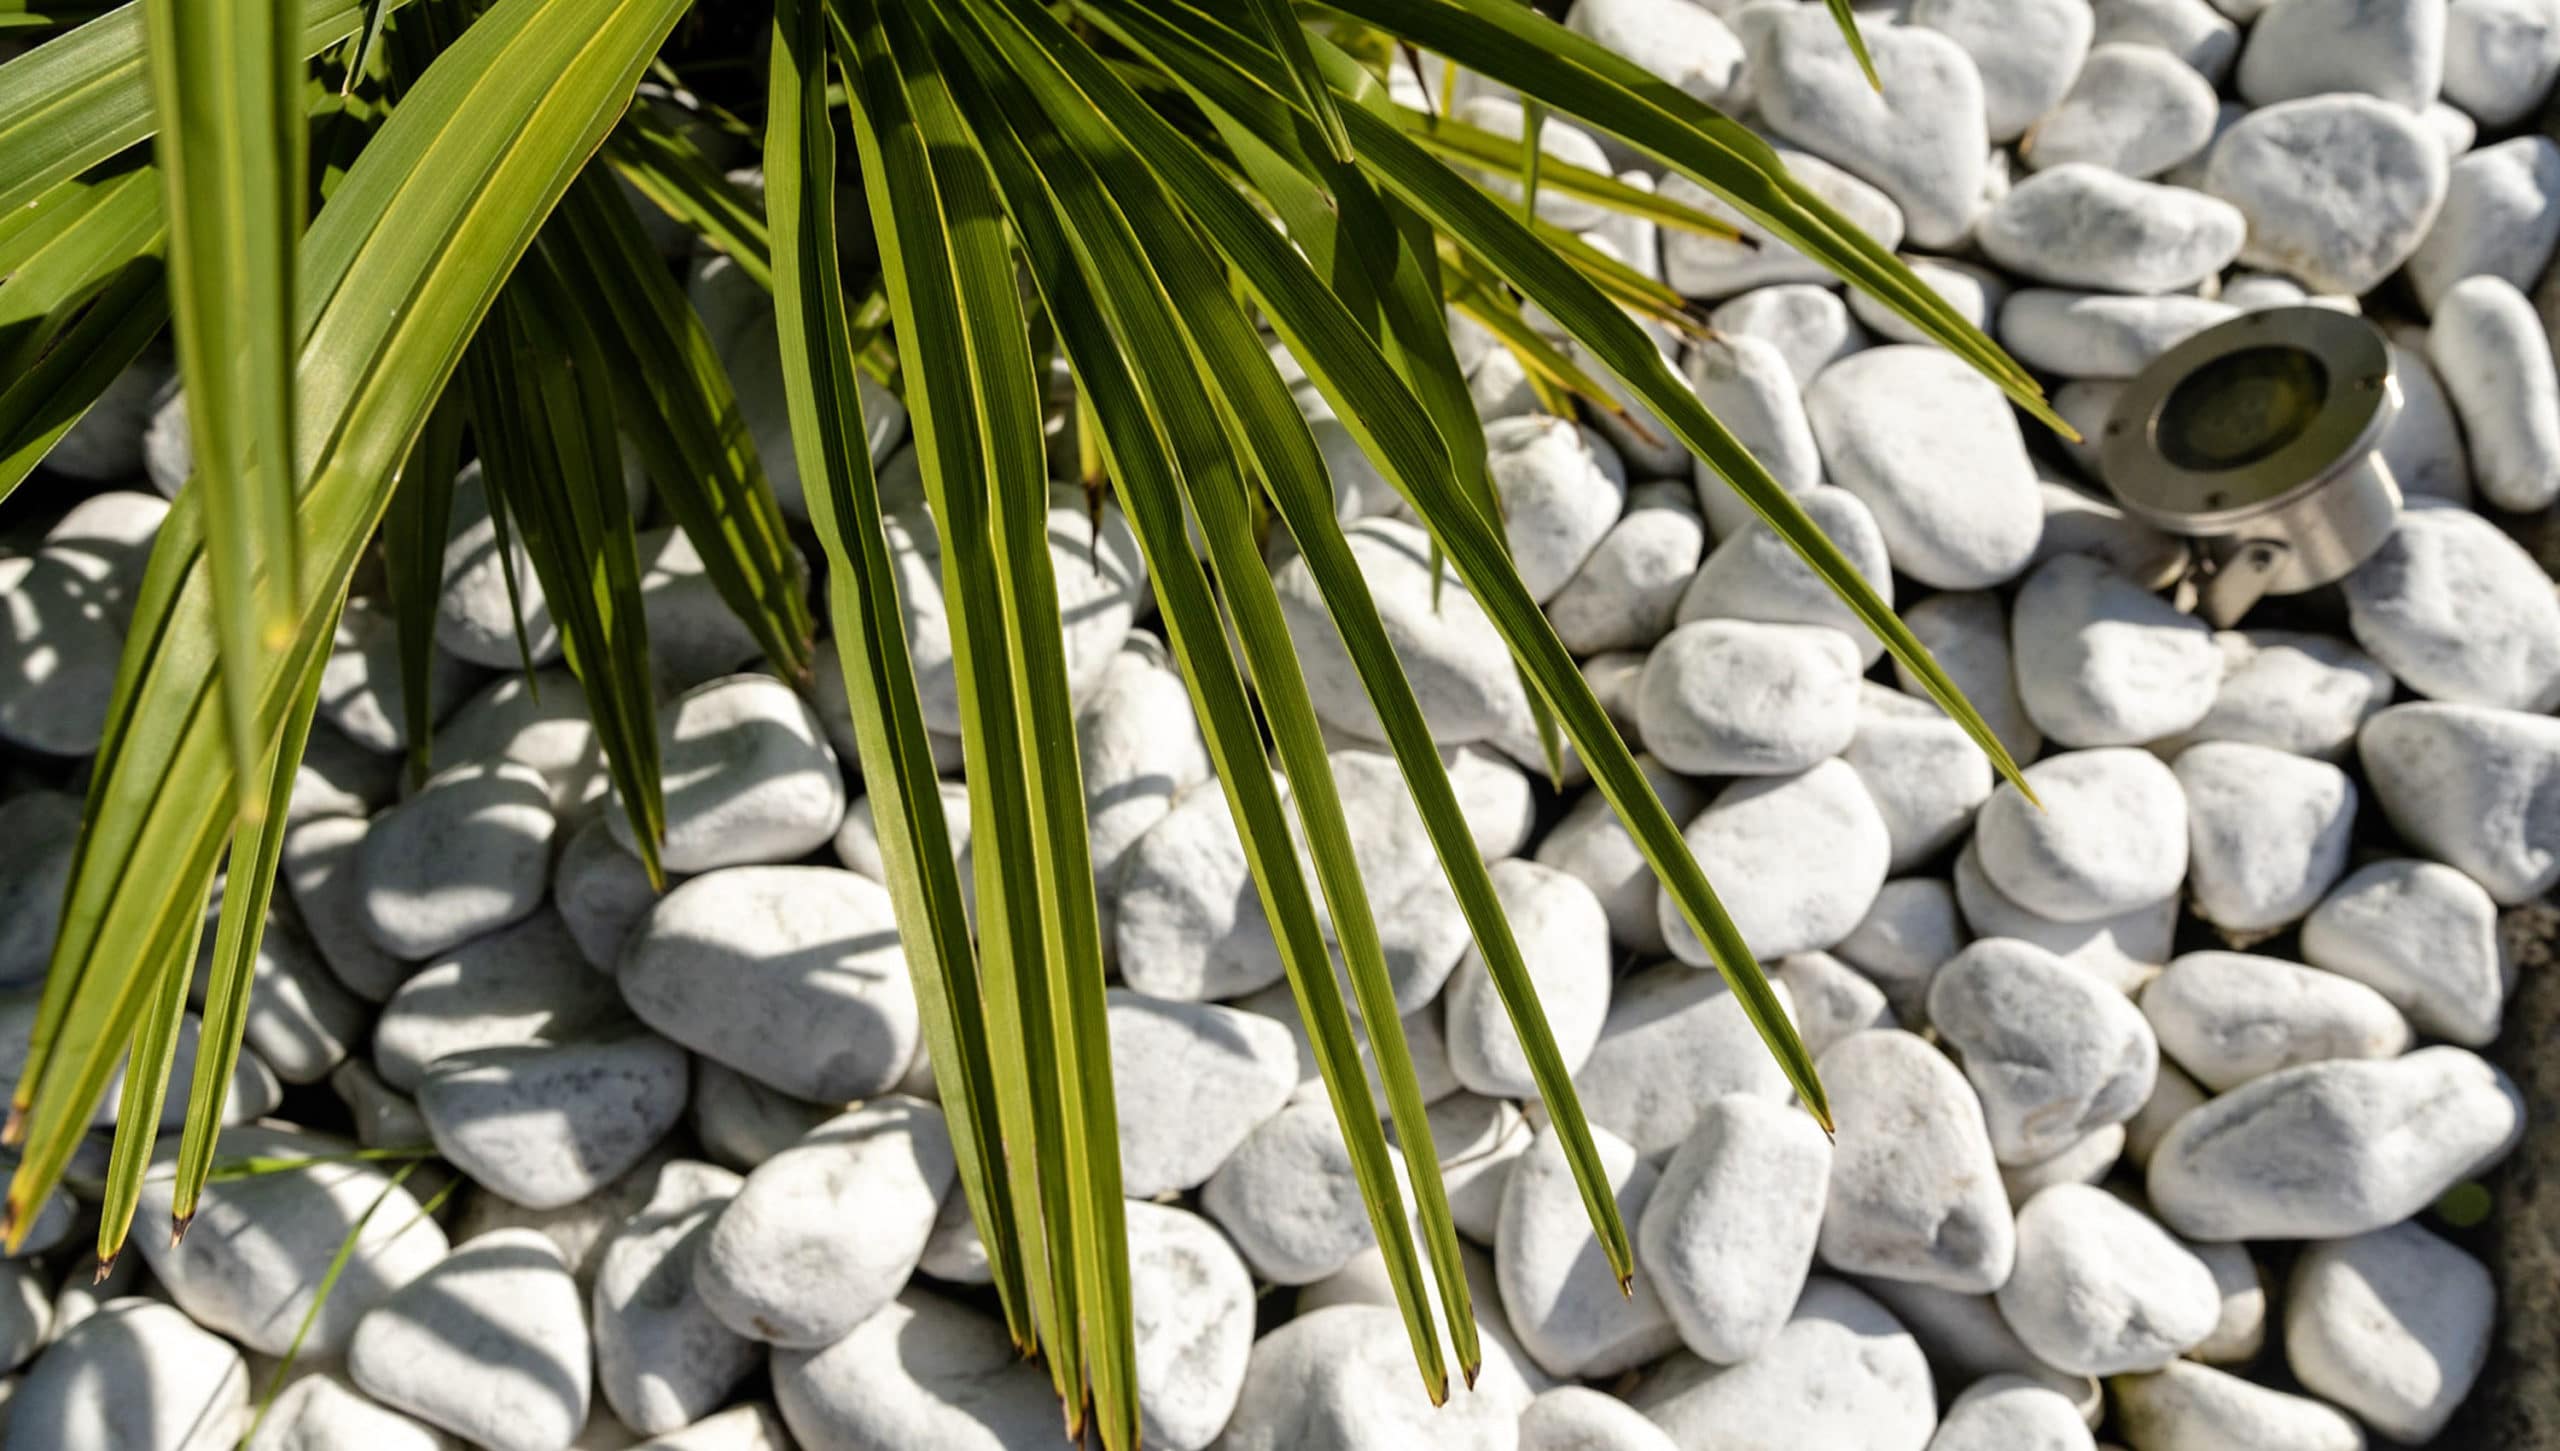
[2135, 109]
[1728, 1235]
[1797, 860]
[2473, 787]
[1915, 1191]
[2393, 1325]
[2337, 190]
[2100, 1289]
[2111, 837]
[2421, 934]
[2101, 661]
[2053, 1053]
[2228, 1017]
[790, 975]
[2267, 832]
[2078, 225]
[2501, 217]
[1933, 450]
[1754, 574]
[2393, 49]
[1921, 139]
[2494, 357]
[2326, 1150]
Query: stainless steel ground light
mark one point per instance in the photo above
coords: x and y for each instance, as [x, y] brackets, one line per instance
[2257, 441]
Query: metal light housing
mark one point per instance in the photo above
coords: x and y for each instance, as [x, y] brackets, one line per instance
[2258, 441]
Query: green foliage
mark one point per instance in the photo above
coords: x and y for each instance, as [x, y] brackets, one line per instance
[475, 273]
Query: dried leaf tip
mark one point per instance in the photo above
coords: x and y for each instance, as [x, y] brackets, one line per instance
[1627, 1285]
[1438, 1388]
[1470, 1369]
[178, 1226]
[106, 1267]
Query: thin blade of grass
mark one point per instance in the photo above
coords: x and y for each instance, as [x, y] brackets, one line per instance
[1845, 15]
[542, 409]
[253, 1166]
[226, 85]
[413, 539]
[1540, 358]
[247, 887]
[328, 1283]
[1289, 39]
[677, 406]
[1454, 140]
[1649, 295]
[829, 435]
[396, 275]
[368, 39]
[1517, 46]
[146, 1089]
[663, 163]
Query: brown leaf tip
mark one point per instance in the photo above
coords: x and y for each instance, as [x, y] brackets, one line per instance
[106, 1267]
[178, 1228]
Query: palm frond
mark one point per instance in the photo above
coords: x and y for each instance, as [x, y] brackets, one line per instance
[828, 431]
[226, 85]
[542, 409]
[396, 274]
[81, 97]
[1128, 159]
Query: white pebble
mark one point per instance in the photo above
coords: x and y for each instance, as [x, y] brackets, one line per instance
[2494, 356]
[2267, 832]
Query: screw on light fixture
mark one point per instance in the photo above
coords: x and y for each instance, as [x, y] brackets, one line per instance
[2258, 442]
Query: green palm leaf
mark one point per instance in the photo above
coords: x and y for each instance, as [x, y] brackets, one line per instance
[542, 410]
[663, 163]
[1178, 412]
[828, 432]
[83, 295]
[1280, 26]
[256, 847]
[226, 86]
[675, 403]
[1130, 157]
[81, 97]
[397, 273]
[413, 538]
[972, 395]
[1519, 47]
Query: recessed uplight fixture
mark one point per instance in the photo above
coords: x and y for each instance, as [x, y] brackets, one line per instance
[2258, 441]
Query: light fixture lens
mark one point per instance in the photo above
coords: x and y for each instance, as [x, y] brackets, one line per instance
[2240, 408]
